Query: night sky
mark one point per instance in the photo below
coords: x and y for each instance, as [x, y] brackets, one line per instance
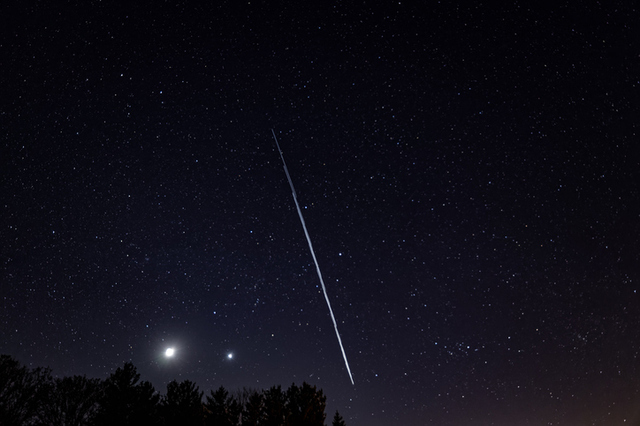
[469, 176]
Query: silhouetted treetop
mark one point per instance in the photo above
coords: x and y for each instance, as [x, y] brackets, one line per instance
[34, 397]
[337, 420]
[182, 405]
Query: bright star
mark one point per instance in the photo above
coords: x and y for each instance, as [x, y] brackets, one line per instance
[169, 352]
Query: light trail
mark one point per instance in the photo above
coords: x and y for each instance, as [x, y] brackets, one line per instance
[313, 254]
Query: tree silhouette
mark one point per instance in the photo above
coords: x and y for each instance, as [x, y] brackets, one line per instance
[242, 395]
[33, 397]
[338, 420]
[183, 404]
[253, 413]
[305, 405]
[21, 391]
[70, 401]
[222, 409]
[124, 401]
[274, 406]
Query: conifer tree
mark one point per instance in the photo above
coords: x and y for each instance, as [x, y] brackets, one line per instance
[254, 410]
[337, 420]
[274, 406]
[182, 405]
[222, 409]
[126, 401]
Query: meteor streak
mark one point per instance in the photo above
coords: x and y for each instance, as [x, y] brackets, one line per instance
[313, 254]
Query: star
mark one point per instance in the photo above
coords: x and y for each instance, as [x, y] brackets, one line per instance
[169, 352]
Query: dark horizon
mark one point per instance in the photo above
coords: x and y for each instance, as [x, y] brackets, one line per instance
[35, 397]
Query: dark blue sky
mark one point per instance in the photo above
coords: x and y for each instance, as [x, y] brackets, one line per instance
[467, 174]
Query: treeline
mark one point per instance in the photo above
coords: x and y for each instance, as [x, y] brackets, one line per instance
[34, 397]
